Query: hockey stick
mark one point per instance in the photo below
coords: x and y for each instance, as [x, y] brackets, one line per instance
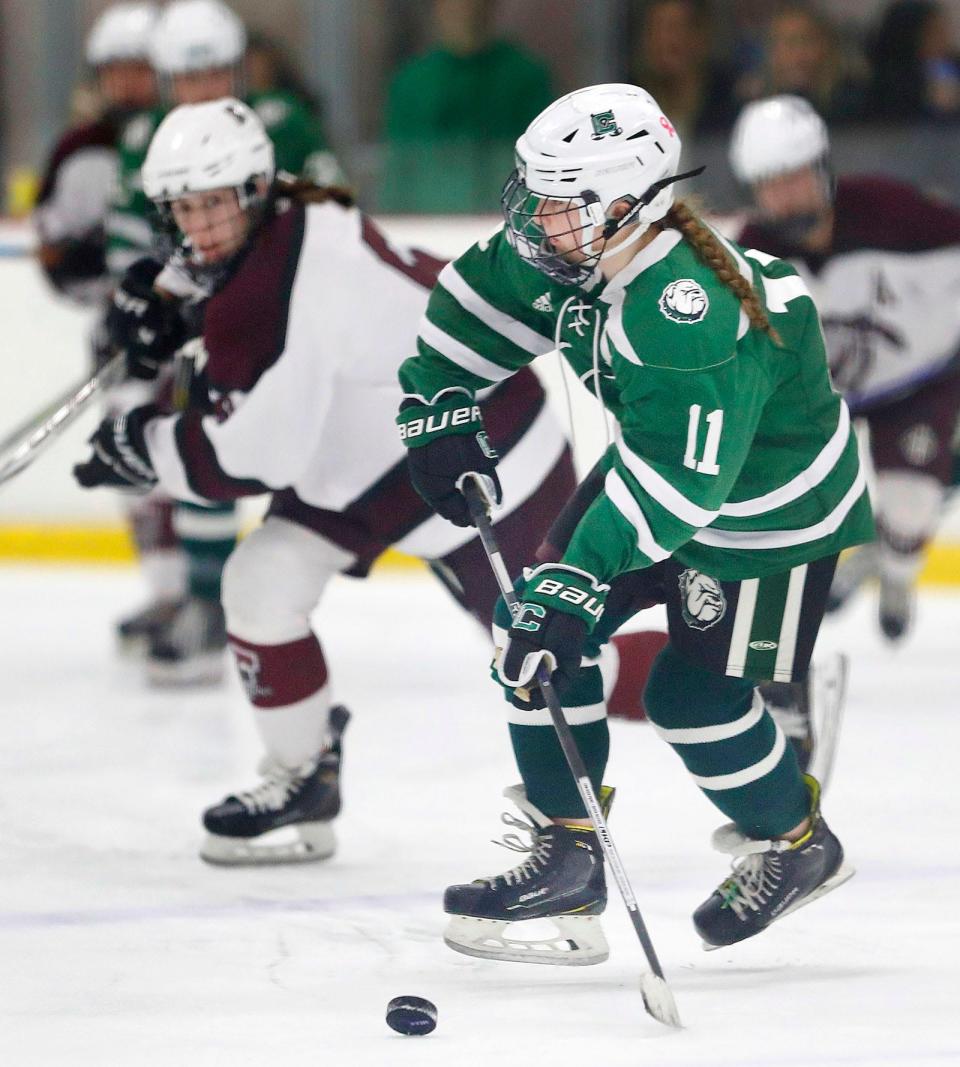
[34, 440]
[657, 997]
[27, 426]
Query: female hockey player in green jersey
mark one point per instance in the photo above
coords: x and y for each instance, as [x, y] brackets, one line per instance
[732, 484]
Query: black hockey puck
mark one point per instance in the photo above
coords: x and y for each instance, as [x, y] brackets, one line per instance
[412, 1016]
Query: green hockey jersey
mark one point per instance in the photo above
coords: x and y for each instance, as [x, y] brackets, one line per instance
[299, 146]
[733, 454]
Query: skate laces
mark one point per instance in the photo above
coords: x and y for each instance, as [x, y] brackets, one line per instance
[538, 851]
[757, 869]
[275, 789]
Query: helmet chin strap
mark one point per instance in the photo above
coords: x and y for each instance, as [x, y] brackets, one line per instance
[612, 226]
[608, 251]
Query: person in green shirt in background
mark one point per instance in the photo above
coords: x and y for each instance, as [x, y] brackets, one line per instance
[453, 114]
[197, 50]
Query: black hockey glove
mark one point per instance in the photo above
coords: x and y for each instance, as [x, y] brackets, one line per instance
[120, 457]
[560, 606]
[142, 322]
[446, 441]
[75, 261]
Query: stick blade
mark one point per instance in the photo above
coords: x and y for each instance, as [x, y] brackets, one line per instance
[658, 1000]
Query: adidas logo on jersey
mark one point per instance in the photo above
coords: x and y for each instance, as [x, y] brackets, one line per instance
[543, 303]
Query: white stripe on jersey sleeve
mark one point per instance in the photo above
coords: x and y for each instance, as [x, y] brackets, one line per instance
[166, 461]
[666, 495]
[625, 502]
[499, 321]
[457, 352]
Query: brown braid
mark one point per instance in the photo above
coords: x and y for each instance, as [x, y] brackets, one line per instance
[711, 252]
[307, 192]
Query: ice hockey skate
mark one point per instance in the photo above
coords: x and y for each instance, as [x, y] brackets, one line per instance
[810, 713]
[287, 817]
[560, 881]
[853, 570]
[191, 648]
[770, 879]
[136, 632]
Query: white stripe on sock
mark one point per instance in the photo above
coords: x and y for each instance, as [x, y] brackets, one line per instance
[749, 774]
[574, 716]
[702, 735]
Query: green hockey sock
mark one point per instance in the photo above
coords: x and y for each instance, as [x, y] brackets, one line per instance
[549, 783]
[729, 743]
[208, 535]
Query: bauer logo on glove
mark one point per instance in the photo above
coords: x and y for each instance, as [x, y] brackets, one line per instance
[561, 605]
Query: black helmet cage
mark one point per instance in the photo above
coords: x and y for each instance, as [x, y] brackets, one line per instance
[795, 227]
[522, 210]
[171, 241]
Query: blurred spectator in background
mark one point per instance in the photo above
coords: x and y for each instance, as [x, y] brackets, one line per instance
[80, 175]
[672, 61]
[268, 69]
[454, 114]
[916, 68]
[803, 57]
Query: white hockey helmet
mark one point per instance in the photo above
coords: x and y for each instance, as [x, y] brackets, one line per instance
[216, 145]
[122, 33]
[591, 148]
[776, 136]
[194, 35]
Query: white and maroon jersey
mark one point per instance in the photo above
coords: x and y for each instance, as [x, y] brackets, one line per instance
[75, 192]
[888, 290]
[302, 350]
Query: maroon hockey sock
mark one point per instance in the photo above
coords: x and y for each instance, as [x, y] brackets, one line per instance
[637, 653]
[275, 676]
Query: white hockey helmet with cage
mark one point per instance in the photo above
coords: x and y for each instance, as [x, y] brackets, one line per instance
[775, 136]
[195, 35]
[216, 145]
[122, 34]
[586, 151]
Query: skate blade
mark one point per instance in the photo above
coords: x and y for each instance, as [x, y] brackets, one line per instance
[208, 669]
[843, 874]
[579, 941]
[304, 843]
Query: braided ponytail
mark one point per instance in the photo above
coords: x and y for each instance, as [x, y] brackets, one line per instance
[711, 252]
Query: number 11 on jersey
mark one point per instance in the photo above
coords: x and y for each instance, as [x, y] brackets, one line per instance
[711, 447]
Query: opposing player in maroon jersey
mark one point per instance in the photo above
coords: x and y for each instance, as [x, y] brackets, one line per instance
[883, 263]
[309, 312]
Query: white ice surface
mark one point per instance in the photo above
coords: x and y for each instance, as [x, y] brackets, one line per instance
[119, 947]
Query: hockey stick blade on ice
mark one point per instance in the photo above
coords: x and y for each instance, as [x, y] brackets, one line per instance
[657, 996]
[20, 452]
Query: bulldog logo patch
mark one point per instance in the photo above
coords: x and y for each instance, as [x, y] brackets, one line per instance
[701, 600]
[684, 301]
